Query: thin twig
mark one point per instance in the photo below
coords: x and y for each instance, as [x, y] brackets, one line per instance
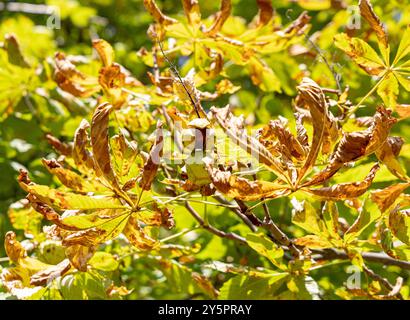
[378, 257]
[219, 233]
[392, 292]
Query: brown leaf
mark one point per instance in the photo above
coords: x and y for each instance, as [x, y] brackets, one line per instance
[67, 177]
[66, 149]
[345, 191]
[275, 131]
[235, 130]
[192, 11]
[44, 277]
[355, 145]
[367, 12]
[82, 157]
[243, 189]
[220, 18]
[137, 237]
[100, 145]
[73, 81]
[159, 17]
[325, 130]
[151, 166]
[385, 198]
[79, 255]
[388, 154]
[14, 249]
[105, 51]
[298, 26]
[265, 13]
[403, 110]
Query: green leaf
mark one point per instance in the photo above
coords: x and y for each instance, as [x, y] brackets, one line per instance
[368, 214]
[242, 287]
[265, 247]
[399, 222]
[104, 261]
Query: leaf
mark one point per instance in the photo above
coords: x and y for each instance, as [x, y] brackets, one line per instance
[159, 17]
[192, 11]
[355, 145]
[388, 154]
[220, 18]
[105, 51]
[324, 127]
[367, 12]
[241, 188]
[313, 242]
[67, 177]
[137, 237]
[15, 56]
[14, 249]
[385, 198]
[23, 217]
[234, 129]
[404, 46]
[361, 53]
[104, 261]
[388, 89]
[265, 13]
[82, 157]
[265, 247]
[403, 111]
[100, 145]
[151, 166]
[46, 276]
[367, 215]
[68, 200]
[399, 223]
[242, 287]
[345, 191]
[73, 81]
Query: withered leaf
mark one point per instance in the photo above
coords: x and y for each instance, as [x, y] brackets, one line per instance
[388, 154]
[82, 157]
[243, 189]
[105, 51]
[44, 277]
[265, 13]
[367, 12]
[192, 11]
[157, 14]
[151, 166]
[355, 145]
[220, 18]
[100, 144]
[137, 237]
[345, 191]
[325, 130]
[14, 249]
[67, 177]
[235, 130]
[73, 81]
[399, 222]
[65, 149]
[79, 255]
[385, 198]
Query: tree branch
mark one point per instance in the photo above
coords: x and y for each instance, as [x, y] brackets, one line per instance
[215, 231]
[378, 257]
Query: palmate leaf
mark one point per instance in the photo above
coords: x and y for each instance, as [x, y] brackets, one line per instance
[83, 221]
[209, 42]
[391, 74]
